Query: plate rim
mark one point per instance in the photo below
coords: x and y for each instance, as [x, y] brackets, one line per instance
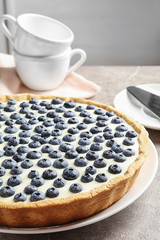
[97, 217]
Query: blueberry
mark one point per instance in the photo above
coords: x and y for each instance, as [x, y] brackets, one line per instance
[121, 128]
[89, 120]
[86, 134]
[110, 113]
[22, 149]
[9, 108]
[3, 117]
[69, 114]
[96, 147]
[76, 188]
[2, 105]
[1, 153]
[102, 117]
[44, 163]
[117, 148]
[21, 121]
[29, 189]
[20, 197]
[33, 101]
[69, 104]
[108, 154]
[59, 182]
[81, 126]
[10, 129]
[100, 163]
[1, 140]
[61, 125]
[7, 191]
[48, 123]
[55, 141]
[90, 169]
[108, 135]
[34, 144]
[24, 110]
[52, 114]
[60, 163]
[56, 101]
[86, 178]
[116, 120]
[90, 107]
[9, 122]
[24, 134]
[43, 140]
[14, 180]
[59, 119]
[101, 123]
[35, 107]
[9, 150]
[120, 158]
[56, 132]
[24, 104]
[85, 114]
[44, 103]
[101, 177]
[49, 174]
[46, 133]
[34, 155]
[129, 152]
[70, 173]
[82, 149]
[36, 137]
[107, 129]
[84, 141]
[110, 143]
[115, 169]
[71, 154]
[42, 118]
[33, 121]
[26, 126]
[15, 116]
[30, 115]
[131, 134]
[60, 109]
[33, 174]
[19, 157]
[128, 141]
[95, 130]
[118, 134]
[50, 106]
[73, 130]
[69, 138]
[37, 181]
[79, 109]
[64, 147]
[99, 139]
[2, 171]
[99, 111]
[46, 149]
[52, 192]
[26, 164]
[16, 170]
[42, 110]
[13, 141]
[37, 196]
[91, 155]
[1, 182]
[73, 120]
[55, 154]
[80, 162]
[39, 128]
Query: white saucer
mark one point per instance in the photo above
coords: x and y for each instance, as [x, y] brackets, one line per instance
[142, 182]
[122, 103]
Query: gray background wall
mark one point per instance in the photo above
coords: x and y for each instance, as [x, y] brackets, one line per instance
[112, 32]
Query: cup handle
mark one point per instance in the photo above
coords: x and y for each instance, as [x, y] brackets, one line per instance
[4, 18]
[80, 61]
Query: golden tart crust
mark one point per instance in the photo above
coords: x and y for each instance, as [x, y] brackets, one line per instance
[81, 205]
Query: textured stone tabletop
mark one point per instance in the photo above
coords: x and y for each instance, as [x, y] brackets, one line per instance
[140, 220]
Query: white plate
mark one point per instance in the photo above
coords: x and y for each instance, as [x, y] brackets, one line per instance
[142, 182]
[122, 103]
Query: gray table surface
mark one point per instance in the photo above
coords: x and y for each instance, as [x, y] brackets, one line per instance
[140, 220]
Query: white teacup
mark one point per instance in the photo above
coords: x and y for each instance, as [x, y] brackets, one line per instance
[46, 73]
[37, 35]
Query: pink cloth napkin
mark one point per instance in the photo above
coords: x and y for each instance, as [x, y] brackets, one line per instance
[74, 84]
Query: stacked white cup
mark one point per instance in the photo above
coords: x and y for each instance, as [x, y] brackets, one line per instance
[41, 49]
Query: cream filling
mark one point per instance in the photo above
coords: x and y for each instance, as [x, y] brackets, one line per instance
[64, 191]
